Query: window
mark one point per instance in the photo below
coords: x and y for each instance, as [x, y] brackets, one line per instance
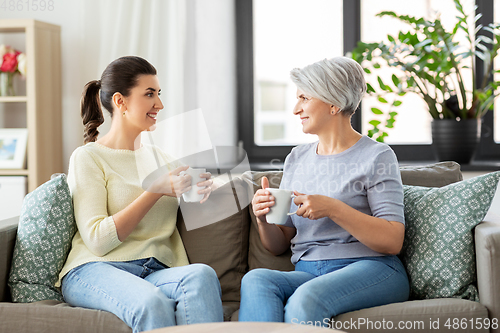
[288, 34]
[275, 36]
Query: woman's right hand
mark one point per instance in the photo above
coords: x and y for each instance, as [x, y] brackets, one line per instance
[172, 184]
[262, 201]
[275, 238]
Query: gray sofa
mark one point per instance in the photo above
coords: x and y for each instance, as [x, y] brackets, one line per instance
[232, 247]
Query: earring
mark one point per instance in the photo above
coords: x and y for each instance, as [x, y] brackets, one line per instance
[123, 114]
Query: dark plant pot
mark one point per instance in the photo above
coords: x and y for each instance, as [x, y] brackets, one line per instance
[455, 140]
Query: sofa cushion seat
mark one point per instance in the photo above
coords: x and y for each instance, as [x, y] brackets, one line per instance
[54, 316]
[229, 308]
[442, 314]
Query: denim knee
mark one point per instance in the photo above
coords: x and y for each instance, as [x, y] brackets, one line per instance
[305, 302]
[203, 271]
[154, 310]
[204, 275]
[256, 277]
[198, 293]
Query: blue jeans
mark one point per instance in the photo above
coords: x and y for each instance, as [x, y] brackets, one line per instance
[145, 294]
[319, 290]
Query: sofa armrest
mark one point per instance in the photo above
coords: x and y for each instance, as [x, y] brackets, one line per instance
[487, 240]
[8, 231]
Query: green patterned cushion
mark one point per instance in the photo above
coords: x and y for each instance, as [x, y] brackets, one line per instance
[46, 228]
[438, 250]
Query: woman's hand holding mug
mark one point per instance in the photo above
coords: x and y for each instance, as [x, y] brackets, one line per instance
[181, 182]
[266, 198]
[195, 194]
[172, 184]
[207, 185]
[262, 201]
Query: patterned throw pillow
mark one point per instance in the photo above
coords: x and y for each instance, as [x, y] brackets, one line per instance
[438, 250]
[46, 229]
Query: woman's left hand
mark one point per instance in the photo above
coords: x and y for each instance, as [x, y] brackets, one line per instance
[207, 184]
[313, 206]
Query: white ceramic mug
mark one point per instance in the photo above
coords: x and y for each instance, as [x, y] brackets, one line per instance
[192, 195]
[282, 201]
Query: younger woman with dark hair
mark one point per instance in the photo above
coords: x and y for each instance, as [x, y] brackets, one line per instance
[127, 256]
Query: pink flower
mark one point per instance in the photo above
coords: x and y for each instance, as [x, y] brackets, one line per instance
[9, 63]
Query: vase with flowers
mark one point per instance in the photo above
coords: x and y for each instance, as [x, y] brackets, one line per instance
[12, 62]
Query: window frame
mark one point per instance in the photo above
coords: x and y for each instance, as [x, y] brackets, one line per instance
[266, 157]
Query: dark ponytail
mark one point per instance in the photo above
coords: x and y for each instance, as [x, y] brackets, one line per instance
[91, 111]
[120, 76]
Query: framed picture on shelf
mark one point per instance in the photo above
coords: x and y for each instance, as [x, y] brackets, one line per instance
[13, 143]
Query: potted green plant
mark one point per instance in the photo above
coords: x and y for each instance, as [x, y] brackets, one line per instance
[429, 61]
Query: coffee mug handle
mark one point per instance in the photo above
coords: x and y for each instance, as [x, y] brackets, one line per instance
[293, 196]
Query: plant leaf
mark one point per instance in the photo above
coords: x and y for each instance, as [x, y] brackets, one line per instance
[396, 80]
[382, 85]
[382, 100]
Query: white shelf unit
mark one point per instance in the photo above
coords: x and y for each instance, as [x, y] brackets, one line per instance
[43, 99]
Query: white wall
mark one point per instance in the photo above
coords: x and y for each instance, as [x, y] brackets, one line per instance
[212, 33]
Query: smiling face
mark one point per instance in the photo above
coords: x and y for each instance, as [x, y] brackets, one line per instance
[314, 114]
[143, 103]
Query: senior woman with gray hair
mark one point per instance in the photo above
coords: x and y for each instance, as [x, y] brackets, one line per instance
[349, 224]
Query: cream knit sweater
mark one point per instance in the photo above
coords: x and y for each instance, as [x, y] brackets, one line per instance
[103, 181]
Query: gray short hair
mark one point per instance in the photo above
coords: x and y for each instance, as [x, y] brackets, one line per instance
[338, 81]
